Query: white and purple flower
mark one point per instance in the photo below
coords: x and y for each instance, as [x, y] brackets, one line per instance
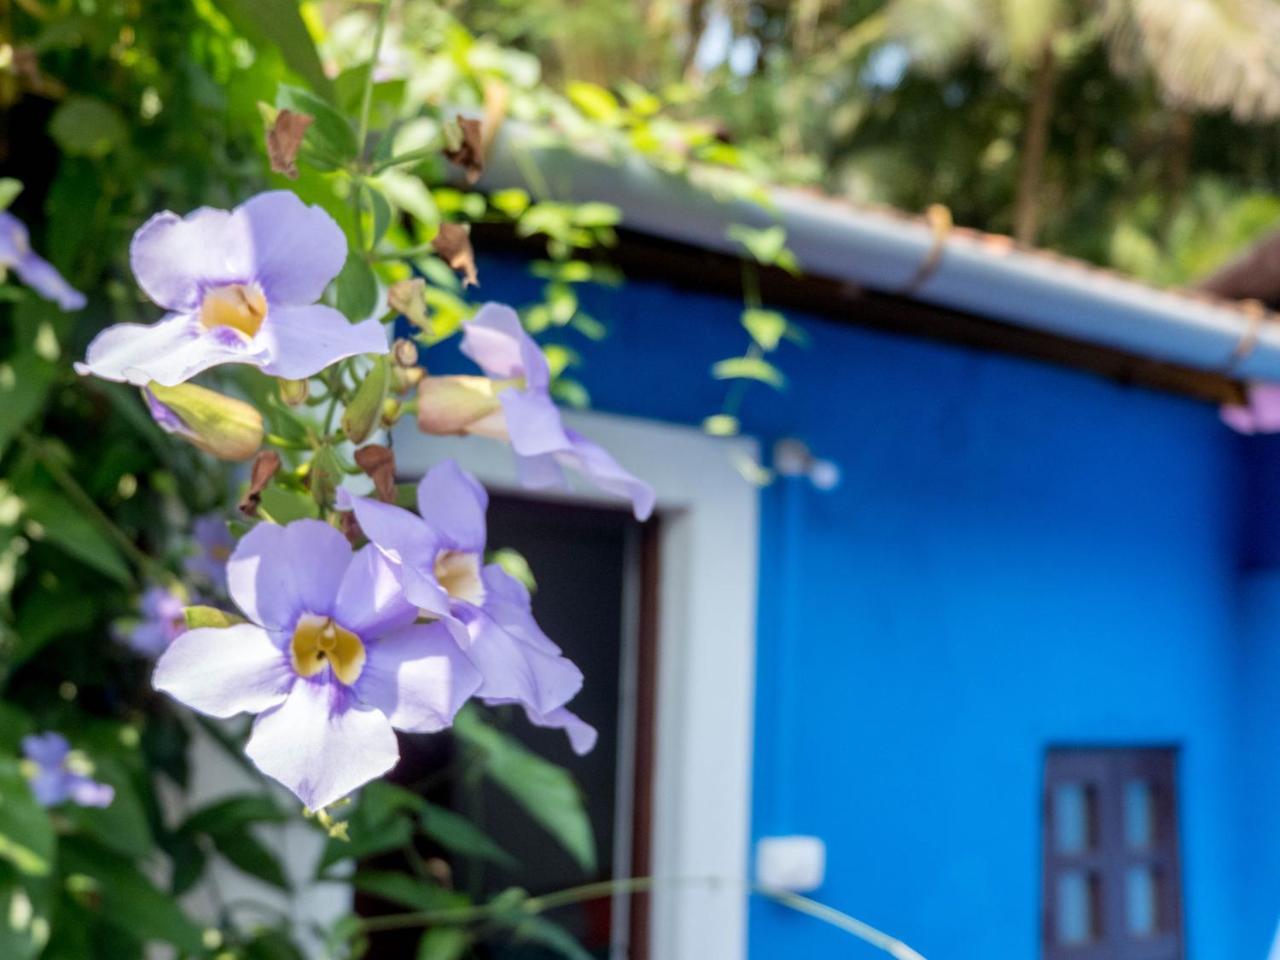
[58, 774]
[159, 622]
[515, 405]
[241, 287]
[32, 269]
[439, 559]
[332, 661]
[213, 545]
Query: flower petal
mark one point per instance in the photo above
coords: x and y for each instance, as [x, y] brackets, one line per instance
[175, 259]
[222, 671]
[276, 573]
[533, 422]
[517, 671]
[407, 541]
[90, 793]
[418, 677]
[508, 602]
[1261, 413]
[295, 249]
[299, 342]
[582, 735]
[39, 274]
[321, 745]
[371, 601]
[453, 503]
[46, 749]
[595, 462]
[495, 339]
[51, 787]
[170, 351]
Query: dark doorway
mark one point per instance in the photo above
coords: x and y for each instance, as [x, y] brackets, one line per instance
[595, 597]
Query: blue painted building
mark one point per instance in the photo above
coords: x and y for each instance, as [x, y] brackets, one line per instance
[1022, 556]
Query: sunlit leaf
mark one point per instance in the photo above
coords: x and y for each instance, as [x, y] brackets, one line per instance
[545, 791]
[749, 368]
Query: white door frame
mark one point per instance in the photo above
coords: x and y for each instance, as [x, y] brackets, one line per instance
[708, 548]
[708, 551]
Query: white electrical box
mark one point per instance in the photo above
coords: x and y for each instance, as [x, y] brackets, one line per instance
[796, 863]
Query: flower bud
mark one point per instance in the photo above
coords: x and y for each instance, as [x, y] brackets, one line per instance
[461, 405]
[293, 393]
[365, 408]
[223, 426]
[404, 379]
[390, 412]
[324, 476]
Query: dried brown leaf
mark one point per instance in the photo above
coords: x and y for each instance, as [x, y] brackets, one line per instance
[469, 154]
[453, 244]
[379, 463]
[284, 139]
[265, 465]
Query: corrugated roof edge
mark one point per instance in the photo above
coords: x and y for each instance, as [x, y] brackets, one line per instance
[978, 273]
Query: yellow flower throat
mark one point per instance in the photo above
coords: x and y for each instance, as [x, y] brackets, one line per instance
[241, 306]
[319, 642]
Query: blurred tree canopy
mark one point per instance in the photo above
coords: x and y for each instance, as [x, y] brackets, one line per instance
[1139, 134]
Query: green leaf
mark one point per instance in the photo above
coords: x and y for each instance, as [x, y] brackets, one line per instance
[721, 425]
[286, 505]
[24, 921]
[380, 207]
[24, 384]
[356, 289]
[594, 101]
[545, 933]
[9, 190]
[128, 900]
[406, 890]
[200, 616]
[87, 127]
[272, 945]
[247, 853]
[279, 23]
[46, 616]
[749, 368]
[122, 825]
[234, 814]
[444, 943]
[27, 839]
[596, 215]
[768, 246]
[63, 525]
[459, 835]
[767, 327]
[546, 792]
[330, 141]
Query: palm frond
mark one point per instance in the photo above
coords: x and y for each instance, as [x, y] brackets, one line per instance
[1206, 54]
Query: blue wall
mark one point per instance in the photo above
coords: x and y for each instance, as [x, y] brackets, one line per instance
[1019, 556]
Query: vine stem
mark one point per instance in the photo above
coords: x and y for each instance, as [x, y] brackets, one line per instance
[631, 885]
[367, 101]
[71, 487]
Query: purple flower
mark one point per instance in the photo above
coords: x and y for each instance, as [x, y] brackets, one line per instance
[36, 272]
[1259, 414]
[331, 661]
[439, 559]
[58, 774]
[213, 543]
[160, 621]
[517, 406]
[240, 287]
